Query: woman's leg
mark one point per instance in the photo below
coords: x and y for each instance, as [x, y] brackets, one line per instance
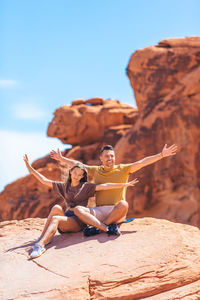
[84, 214]
[65, 224]
[55, 211]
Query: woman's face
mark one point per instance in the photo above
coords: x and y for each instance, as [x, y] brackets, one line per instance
[76, 174]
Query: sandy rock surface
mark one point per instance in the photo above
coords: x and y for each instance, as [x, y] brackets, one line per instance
[153, 258]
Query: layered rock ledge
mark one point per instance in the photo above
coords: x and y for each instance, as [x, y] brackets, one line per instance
[152, 259]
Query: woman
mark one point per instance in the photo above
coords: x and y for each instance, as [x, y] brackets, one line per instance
[75, 192]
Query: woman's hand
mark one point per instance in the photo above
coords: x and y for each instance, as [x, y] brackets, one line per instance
[132, 182]
[25, 158]
[35, 173]
[56, 155]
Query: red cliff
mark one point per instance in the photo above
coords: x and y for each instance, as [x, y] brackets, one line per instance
[166, 84]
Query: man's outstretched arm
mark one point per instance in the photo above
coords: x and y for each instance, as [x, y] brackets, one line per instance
[58, 156]
[154, 158]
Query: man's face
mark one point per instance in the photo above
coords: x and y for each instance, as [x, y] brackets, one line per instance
[108, 158]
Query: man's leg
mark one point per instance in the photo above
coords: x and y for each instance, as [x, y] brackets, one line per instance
[55, 211]
[84, 214]
[118, 213]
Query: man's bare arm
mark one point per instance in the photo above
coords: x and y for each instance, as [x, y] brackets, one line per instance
[154, 158]
[67, 161]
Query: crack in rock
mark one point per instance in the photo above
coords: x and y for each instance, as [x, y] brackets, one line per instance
[55, 273]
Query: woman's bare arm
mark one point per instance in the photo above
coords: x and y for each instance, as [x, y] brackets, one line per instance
[109, 186]
[37, 175]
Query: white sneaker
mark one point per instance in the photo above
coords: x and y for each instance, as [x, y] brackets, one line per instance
[37, 251]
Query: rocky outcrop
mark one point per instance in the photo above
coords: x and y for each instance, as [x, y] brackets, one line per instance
[27, 197]
[85, 122]
[169, 69]
[153, 259]
[166, 83]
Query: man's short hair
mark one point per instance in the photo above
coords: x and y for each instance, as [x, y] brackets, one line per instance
[107, 147]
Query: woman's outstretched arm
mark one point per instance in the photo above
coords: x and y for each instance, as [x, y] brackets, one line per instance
[37, 175]
[109, 186]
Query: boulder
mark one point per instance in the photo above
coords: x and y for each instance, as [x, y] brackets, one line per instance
[85, 123]
[152, 259]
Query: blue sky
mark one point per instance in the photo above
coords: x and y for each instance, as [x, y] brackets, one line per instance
[53, 52]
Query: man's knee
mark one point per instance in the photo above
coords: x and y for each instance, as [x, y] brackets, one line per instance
[56, 209]
[122, 205]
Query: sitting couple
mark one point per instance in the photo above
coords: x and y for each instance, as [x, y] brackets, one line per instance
[109, 184]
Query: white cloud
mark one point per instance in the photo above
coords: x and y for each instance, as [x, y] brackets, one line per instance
[6, 83]
[27, 111]
[14, 145]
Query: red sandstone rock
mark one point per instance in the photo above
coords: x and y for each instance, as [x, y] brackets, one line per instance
[166, 81]
[155, 71]
[95, 101]
[27, 197]
[192, 42]
[85, 124]
[42, 162]
[152, 259]
[78, 102]
[89, 154]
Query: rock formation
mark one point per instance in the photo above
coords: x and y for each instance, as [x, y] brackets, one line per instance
[166, 83]
[85, 122]
[153, 259]
[27, 197]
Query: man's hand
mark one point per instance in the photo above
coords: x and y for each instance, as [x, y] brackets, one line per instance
[132, 182]
[169, 151]
[56, 155]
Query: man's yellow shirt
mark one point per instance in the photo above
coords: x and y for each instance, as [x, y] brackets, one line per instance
[116, 174]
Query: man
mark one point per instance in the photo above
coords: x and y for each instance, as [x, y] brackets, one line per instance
[111, 206]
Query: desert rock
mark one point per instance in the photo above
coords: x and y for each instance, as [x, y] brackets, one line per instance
[166, 83]
[153, 259]
[85, 123]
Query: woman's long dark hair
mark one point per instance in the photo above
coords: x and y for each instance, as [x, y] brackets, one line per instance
[80, 166]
